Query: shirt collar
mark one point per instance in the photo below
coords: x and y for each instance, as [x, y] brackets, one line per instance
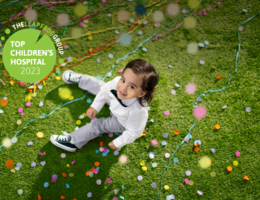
[129, 102]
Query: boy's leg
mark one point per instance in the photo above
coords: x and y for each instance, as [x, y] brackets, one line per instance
[92, 130]
[90, 84]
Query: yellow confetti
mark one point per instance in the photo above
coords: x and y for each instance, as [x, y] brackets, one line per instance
[235, 163]
[57, 77]
[142, 163]
[11, 82]
[80, 9]
[90, 37]
[193, 3]
[78, 122]
[12, 170]
[68, 165]
[144, 168]
[191, 182]
[40, 134]
[71, 97]
[204, 162]
[28, 98]
[85, 25]
[64, 93]
[166, 187]
[34, 94]
[71, 174]
[190, 22]
[18, 122]
[43, 82]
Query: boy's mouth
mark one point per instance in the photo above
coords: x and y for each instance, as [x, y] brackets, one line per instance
[122, 93]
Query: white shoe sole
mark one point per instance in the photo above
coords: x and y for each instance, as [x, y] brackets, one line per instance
[63, 78]
[61, 146]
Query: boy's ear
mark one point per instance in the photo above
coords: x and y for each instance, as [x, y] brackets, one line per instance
[142, 94]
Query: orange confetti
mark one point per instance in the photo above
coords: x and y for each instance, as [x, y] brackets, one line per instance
[217, 126]
[92, 169]
[246, 178]
[62, 197]
[219, 77]
[64, 174]
[91, 49]
[39, 197]
[176, 132]
[196, 149]
[74, 199]
[97, 164]
[3, 102]
[229, 168]
[63, 45]
[101, 144]
[9, 163]
[87, 173]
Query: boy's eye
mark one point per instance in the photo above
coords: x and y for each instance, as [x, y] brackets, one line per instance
[122, 80]
[132, 87]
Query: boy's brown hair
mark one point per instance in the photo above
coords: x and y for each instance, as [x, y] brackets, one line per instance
[150, 80]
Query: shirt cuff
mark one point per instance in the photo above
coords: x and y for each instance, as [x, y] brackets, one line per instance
[96, 106]
[118, 143]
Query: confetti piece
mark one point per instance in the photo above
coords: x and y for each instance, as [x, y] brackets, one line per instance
[196, 149]
[20, 191]
[199, 192]
[64, 174]
[97, 164]
[204, 162]
[33, 164]
[235, 163]
[166, 112]
[219, 77]
[122, 15]
[46, 184]
[154, 142]
[4, 102]
[89, 195]
[188, 173]
[237, 154]
[164, 143]
[165, 135]
[154, 165]
[43, 163]
[62, 197]
[199, 112]
[175, 160]
[63, 155]
[122, 159]
[217, 126]
[9, 163]
[191, 183]
[166, 187]
[98, 182]
[173, 9]
[40, 134]
[73, 162]
[176, 132]
[213, 174]
[19, 165]
[229, 168]
[7, 142]
[191, 88]
[192, 48]
[144, 168]
[153, 185]
[158, 16]
[202, 62]
[213, 150]
[248, 109]
[186, 181]
[190, 22]
[246, 178]
[142, 163]
[40, 153]
[167, 155]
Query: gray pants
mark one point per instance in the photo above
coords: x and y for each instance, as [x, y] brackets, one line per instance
[102, 125]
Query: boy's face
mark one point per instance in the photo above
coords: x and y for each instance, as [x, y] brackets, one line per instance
[129, 85]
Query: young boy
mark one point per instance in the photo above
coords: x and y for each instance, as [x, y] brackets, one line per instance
[127, 97]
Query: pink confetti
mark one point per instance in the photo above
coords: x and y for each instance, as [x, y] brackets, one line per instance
[109, 180]
[22, 113]
[120, 70]
[51, 7]
[186, 181]
[40, 153]
[73, 162]
[199, 112]
[166, 112]
[28, 103]
[237, 154]
[191, 88]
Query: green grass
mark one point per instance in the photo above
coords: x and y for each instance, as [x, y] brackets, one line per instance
[239, 129]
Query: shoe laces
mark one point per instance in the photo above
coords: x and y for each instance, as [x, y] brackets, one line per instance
[64, 138]
[75, 77]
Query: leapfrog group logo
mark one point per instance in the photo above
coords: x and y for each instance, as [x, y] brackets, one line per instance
[28, 57]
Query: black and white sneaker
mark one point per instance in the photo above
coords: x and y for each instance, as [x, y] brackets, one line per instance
[63, 142]
[71, 77]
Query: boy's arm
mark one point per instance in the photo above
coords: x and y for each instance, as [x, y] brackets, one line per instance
[134, 129]
[102, 96]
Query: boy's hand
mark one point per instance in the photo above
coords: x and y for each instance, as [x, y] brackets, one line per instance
[91, 113]
[112, 146]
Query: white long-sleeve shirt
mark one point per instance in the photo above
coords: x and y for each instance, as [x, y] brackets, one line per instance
[133, 117]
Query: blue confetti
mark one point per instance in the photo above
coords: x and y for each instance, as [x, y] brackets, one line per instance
[131, 20]
[97, 151]
[116, 133]
[57, 72]
[121, 197]
[123, 187]
[206, 42]
[152, 153]
[89, 100]
[175, 160]
[46, 184]
[164, 142]
[125, 38]
[104, 154]
[189, 136]
[67, 185]
[98, 168]
[100, 135]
